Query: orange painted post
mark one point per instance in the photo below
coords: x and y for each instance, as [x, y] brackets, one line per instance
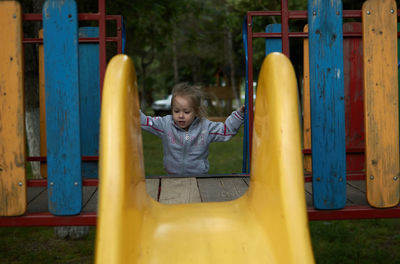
[381, 102]
[42, 103]
[306, 105]
[12, 114]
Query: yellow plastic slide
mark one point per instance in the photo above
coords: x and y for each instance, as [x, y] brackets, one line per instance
[267, 225]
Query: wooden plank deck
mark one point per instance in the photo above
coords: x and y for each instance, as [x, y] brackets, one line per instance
[189, 190]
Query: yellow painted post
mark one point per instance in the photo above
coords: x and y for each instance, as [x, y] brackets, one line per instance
[381, 102]
[42, 104]
[306, 105]
[12, 114]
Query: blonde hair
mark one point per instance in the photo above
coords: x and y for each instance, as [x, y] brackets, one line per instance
[195, 95]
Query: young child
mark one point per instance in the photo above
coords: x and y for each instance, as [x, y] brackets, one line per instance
[186, 134]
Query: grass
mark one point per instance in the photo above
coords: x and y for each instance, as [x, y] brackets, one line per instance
[39, 245]
[356, 241]
[350, 241]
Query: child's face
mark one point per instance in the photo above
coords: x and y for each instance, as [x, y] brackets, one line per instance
[183, 112]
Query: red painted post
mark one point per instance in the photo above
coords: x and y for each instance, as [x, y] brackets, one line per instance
[102, 42]
[285, 27]
[119, 34]
[90, 218]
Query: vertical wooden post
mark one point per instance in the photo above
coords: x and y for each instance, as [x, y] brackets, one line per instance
[381, 102]
[12, 112]
[42, 108]
[60, 30]
[327, 103]
[306, 104]
[89, 92]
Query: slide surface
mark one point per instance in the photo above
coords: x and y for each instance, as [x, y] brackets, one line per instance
[267, 225]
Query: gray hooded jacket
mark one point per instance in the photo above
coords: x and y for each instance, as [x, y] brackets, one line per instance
[186, 152]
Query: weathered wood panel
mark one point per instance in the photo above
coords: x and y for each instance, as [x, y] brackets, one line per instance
[89, 94]
[12, 115]
[42, 109]
[354, 97]
[381, 102]
[37, 199]
[89, 198]
[306, 104]
[356, 193]
[327, 103]
[221, 189]
[152, 186]
[60, 31]
[179, 190]
[273, 44]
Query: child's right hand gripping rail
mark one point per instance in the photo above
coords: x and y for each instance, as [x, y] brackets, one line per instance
[266, 225]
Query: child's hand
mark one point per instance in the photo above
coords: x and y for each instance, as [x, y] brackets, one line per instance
[242, 109]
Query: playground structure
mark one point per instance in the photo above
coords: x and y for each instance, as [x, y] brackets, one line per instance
[339, 158]
[328, 187]
[79, 103]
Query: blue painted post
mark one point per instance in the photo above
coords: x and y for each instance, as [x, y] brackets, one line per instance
[89, 90]
[60, 34]
[123, 35]
[246, 143]
[327, 103]
[273, 44]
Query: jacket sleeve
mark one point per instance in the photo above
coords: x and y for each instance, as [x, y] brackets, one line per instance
[219, 131]
[154, 125]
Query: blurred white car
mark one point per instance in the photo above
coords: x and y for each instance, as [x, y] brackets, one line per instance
[163, 106]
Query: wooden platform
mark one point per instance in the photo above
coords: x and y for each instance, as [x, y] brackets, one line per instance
[189, 190]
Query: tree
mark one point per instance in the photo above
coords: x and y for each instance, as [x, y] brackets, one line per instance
[149, 26]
